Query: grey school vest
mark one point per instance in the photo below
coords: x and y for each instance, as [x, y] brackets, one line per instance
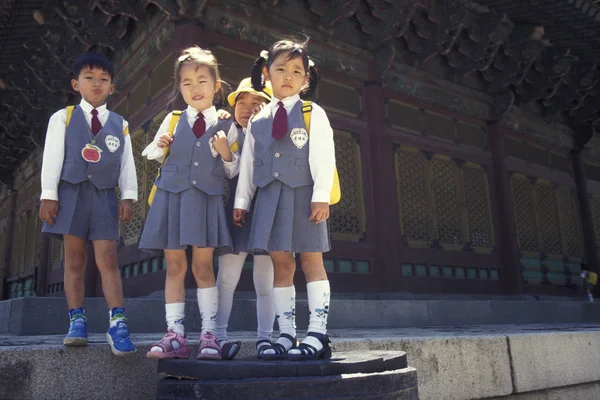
[105, 173]
[190, 162]
[286, 159]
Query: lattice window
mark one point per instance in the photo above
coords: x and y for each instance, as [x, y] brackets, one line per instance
[478, 206]
[548, 222]
[56, 253]
[131, 231]
[445, 184]
[568, 222]
[348, 216]
[339, 98]
[525, 215]
[595, 206]
[414, 196]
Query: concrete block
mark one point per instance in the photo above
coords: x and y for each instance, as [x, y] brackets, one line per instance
[459, 312]
[591, 311]
[587, 391]
[5, 307]
[552, 360]
[534, 312]
[377, 314]
[75, 373]
[450, 368]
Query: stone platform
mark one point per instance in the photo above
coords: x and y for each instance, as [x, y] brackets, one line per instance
[380, 375]
[508, 362]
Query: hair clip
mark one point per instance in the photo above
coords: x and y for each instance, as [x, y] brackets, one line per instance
[311, 63]
[264, 54]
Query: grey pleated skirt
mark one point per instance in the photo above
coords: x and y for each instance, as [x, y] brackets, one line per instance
[280, 221]
[188, 218]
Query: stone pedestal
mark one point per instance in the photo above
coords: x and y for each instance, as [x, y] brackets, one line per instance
[382, 375]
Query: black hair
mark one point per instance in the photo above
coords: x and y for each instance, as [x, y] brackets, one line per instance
[293, 49]
[92, 60]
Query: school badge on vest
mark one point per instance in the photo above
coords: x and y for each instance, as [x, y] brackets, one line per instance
[112, 143]
[299, 137]
[91, 153]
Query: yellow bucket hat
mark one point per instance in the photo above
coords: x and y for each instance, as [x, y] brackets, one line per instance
[246, 86]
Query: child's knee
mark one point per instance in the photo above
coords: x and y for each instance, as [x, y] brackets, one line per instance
[177, 269]
[106, 259]
[203, 270]
[284, 264]
[75, 258]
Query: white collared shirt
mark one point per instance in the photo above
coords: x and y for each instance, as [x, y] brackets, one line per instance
[153, 152]
[54, 154]
[321, 155]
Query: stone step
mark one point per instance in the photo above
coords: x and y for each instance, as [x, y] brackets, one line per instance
[351, 374]
[33, 316]
[453, 363]
[344, 362]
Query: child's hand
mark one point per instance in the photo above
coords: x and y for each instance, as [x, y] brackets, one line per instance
[258, 108]
[126, 210]
[239, 217]
[48, 211]
[320, 212]
[164, 141]
[222, 146]
[222, 114]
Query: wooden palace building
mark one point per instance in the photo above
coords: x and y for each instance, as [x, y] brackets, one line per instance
[465, 131]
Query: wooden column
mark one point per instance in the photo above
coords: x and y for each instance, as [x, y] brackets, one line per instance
[43, 266]
[506, 237]
[383, 178]
[8, 243]
[585, 212]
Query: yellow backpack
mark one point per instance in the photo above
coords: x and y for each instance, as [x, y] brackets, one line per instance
[336, 193]
[172, 123]
[592, 278]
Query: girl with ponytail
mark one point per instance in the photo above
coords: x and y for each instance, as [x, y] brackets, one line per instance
[288, 160]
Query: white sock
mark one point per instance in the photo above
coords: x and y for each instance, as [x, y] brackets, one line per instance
[318, 305]
[285, 308]
[265, 308]
[208, 303]
[230, 270]
[175, 314]
[591, 297]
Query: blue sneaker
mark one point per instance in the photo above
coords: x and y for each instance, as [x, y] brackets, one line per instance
[118, 334]
[77, 335]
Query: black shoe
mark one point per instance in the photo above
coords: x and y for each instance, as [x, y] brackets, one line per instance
[280, 350]
[309, 352]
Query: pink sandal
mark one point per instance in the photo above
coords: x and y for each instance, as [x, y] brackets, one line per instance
[168, 350]
[209, 341]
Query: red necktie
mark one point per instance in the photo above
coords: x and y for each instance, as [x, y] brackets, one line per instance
[199, 126]
[96, 125]
[280, 122]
